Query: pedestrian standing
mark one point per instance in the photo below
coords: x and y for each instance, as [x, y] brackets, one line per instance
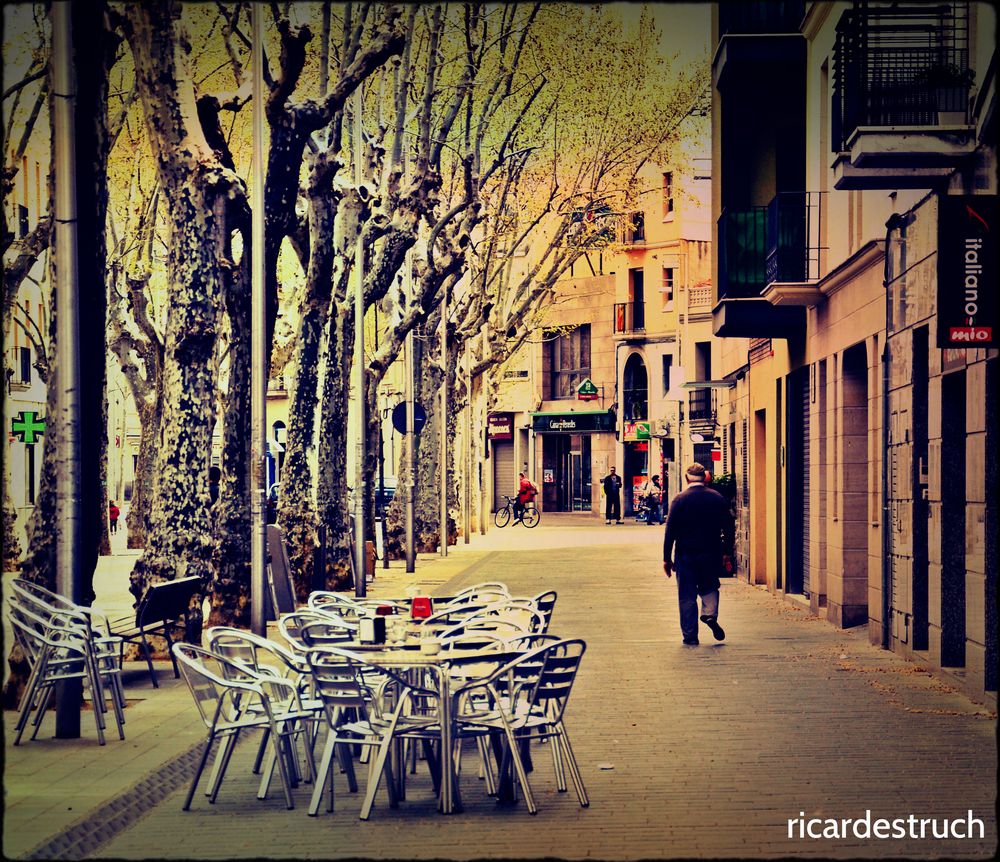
[652, 495]
[699, 538]
[612, 484]
[113, 513]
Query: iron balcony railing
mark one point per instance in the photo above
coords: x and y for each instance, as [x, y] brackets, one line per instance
[760, 245]
[905, 65]
[794, 231]
[629, 317]
[748, 18]
[742, 252]
[700, 404]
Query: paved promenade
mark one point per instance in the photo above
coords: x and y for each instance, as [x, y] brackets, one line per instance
[711, 749]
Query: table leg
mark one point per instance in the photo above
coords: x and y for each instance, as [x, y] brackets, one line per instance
[449, 800]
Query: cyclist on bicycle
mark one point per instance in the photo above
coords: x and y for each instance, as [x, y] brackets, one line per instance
[526, 493]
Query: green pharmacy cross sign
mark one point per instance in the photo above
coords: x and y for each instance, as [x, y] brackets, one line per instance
[26, 427]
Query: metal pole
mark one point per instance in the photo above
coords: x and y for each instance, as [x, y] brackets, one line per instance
[258, 347]
[411, 556]
[360, 495]
[69, 504]
[443, 456]
[468, 448]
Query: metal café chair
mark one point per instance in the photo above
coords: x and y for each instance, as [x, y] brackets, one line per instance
[231, 698]
[58, 648]
[527, 700]
[102, 650]
[357, 715]
[266, 657]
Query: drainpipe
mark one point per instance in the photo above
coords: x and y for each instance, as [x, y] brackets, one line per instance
[895, 221]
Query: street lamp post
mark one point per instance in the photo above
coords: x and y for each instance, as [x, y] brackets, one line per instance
[443, 457]
[258, 347]
[69, 504]
[360, 584]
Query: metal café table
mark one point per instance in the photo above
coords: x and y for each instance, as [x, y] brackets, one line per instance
[409, 657]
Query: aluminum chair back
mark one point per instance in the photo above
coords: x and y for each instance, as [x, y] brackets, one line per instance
[555, 682]
[262, 655]
[545, 603]
[521, 611]
[324, 600]
[502, 628]
[326, 633]
[210, 676]
[487, 588]
[337, 678]
[291, 625]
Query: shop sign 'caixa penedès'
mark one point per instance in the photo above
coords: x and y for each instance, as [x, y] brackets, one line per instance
[967, 272]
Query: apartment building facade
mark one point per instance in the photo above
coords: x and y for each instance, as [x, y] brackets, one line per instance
[665, 353]
[840, 132]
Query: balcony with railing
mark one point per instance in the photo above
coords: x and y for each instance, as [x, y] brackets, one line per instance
[769, 263]
[629, 318]
[901, 95]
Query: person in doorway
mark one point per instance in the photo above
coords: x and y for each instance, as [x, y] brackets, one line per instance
[113, 514]
[526, 493]
[699, 539]
[612, 484]
[652, 494]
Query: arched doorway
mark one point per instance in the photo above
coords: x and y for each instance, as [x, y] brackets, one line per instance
[635, 410]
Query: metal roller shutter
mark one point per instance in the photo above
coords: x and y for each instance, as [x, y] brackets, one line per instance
[805, 485]
[504, 472]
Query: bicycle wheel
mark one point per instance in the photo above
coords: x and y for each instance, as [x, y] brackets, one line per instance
[502, 517]
[531, 517]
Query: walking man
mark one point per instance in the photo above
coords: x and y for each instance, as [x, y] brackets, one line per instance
[612, 491]
[699, 538]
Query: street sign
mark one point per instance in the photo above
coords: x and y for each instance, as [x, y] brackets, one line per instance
[399, 417]
[26, 427]
[586, 391]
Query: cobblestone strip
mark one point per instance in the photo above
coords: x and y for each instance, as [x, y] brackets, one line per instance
[104, 823]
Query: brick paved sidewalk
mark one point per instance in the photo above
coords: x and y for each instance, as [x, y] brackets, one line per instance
[713, 748]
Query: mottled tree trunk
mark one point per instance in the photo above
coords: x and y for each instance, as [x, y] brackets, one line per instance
[11, 545]
[331, 485]
[141, 503]
[231, 588]
[297, 511]
[199, 190]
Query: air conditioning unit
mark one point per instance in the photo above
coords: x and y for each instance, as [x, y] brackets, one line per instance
[661, 428]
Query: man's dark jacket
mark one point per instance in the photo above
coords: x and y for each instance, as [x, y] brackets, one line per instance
[612, 484]
[699, 531]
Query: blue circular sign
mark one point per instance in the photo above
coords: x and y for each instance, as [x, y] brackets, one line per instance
[399, 417]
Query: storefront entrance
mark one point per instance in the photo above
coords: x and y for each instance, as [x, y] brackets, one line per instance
[636, 472]
[566, 469]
